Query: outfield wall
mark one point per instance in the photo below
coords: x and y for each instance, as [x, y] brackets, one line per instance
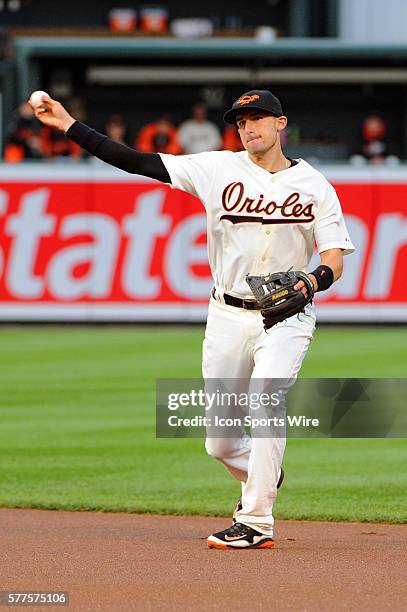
[87, 242]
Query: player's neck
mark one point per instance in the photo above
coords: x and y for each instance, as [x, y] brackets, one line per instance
[273, 160]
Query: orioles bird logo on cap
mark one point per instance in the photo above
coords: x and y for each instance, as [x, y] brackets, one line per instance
[248, 99]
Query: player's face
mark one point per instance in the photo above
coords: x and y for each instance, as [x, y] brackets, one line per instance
[259, 131]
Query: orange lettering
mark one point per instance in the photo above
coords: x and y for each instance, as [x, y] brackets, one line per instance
[247, 99]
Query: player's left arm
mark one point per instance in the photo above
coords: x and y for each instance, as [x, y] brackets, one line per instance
[326, 273]
[332, 240]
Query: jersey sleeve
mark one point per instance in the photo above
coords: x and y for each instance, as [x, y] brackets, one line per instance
[330, 228]
[194, 174]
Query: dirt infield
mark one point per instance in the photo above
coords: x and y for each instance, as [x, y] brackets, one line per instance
[118, 562]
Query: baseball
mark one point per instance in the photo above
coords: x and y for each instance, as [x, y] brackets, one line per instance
[37, 97]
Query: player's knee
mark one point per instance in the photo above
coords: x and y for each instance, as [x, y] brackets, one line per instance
[219, 448]
[211, 447]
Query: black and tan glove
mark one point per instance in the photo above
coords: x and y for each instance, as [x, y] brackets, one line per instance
[277, 297]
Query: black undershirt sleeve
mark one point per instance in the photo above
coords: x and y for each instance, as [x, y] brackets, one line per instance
[116, 154]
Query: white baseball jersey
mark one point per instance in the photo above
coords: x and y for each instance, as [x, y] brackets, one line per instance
[259, 222]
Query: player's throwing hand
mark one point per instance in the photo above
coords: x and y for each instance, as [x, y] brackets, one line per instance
[50, 112]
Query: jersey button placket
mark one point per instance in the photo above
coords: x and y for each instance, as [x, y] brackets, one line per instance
[266, 241]
[260, 249]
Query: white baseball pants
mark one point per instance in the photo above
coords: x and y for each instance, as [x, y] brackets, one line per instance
[237, 347]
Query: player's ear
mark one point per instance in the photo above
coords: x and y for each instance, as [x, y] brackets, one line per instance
[281, 123]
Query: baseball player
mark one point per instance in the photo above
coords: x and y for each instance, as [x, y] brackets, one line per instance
[265, 213]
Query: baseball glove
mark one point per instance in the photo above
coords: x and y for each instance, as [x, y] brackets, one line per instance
[277, 297]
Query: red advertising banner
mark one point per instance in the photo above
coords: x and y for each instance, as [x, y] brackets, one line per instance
[375, 208]
[92, 243]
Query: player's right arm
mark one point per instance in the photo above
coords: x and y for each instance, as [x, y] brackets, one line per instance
[53, 114]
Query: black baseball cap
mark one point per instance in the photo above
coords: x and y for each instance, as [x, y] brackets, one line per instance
[256, 98]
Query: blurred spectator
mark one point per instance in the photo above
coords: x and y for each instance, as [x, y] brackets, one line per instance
[198, 134]
[22, 136]
[116, 129]
[231, 139]
[76, 107]
[158, 137]
[292, 135]
[54, 144]
[374, 147]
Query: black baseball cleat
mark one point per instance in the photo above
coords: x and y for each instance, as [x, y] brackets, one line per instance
[281, 478]
[240, 536]
[239, 501]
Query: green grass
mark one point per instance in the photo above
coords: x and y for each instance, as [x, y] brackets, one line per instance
[77, 427]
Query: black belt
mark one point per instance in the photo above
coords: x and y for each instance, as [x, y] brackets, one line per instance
[230, 300]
